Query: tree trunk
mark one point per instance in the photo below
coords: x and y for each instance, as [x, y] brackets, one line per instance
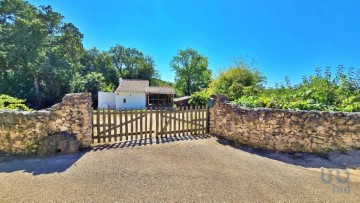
[37, 93]
[188, 86]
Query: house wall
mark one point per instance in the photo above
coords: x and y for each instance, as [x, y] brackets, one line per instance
[285, 130]
[106, 99]
[134, 100]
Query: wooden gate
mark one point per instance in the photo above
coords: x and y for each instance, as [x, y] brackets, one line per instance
[117, 125]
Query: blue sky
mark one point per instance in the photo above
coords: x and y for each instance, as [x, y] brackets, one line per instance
[285, 37]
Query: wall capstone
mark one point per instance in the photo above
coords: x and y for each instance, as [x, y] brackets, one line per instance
[21, 131]
[285, 130]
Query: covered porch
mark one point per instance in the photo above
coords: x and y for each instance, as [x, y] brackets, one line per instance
[154, 99]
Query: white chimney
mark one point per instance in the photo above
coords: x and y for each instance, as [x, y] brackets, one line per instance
[120, 81]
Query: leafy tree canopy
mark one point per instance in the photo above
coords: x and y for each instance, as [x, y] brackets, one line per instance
[192, 72]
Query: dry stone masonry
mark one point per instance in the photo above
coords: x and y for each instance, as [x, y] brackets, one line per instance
[21, 132]
[285, 130]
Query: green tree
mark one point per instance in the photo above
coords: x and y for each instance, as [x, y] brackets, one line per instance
[191, 71]
[31, 40]
[131, 63]
[237, 81]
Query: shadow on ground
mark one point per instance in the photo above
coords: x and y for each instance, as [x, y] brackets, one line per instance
[349, 159]
[38, 166]
[59, 164]
[149, 141]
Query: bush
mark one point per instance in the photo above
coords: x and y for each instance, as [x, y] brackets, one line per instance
[10, 103]
[323, 93]
[199, 99]
[237, 81]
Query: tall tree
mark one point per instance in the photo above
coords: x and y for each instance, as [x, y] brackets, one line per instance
[192, 72]
[131, 63]
[32, 39]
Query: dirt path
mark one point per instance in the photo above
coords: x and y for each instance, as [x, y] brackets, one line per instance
[179, 171]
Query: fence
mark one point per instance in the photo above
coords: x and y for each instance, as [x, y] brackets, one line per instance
[117, 125]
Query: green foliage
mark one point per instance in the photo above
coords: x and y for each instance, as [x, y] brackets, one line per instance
[320, 92]
[93, 82]
[161, 83]
[38, 52]
[42, 57]
[199, 98]
[191, 71]
[237, 81]
[11, 103]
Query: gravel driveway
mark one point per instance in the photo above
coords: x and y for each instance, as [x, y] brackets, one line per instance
[191, 170]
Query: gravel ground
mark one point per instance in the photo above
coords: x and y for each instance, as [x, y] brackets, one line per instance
[193, 170]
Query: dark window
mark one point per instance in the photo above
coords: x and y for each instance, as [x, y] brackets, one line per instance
[124, 100]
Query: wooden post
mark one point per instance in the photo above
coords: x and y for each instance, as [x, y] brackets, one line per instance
[104, 125]
[183, 120]
[161, 121]
[146, 123]
[175, 122]
[132, 123]
[141, 124]
[115, 124]
[92, 123]
[188, 109]
[151, 123]
[203, 119]
[157, 122]
[207, 119]
[109, 124]
[98, 124]
[196, 120]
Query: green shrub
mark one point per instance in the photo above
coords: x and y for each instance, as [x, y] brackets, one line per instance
[10, 103]
[322, 93]
[199, 98]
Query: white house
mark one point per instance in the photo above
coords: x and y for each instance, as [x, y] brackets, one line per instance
[135, 94]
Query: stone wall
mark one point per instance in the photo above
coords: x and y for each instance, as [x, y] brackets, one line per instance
[21, 132]
[285, 130]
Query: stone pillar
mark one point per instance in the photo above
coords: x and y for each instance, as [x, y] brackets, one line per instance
[73, 115]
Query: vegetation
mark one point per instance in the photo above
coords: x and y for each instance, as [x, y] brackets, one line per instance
[42, 57]
[237, 81]
[199, 98]
[11, 103]
[192, 72]
[319, 92]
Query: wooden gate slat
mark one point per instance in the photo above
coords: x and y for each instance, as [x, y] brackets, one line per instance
[109, 124]
[115, 122]
[141, 124]
[104, 125]
[126, 126]
[157, 122]
[146, 123]
[151, 119]
[132, 123]
[120, 120]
